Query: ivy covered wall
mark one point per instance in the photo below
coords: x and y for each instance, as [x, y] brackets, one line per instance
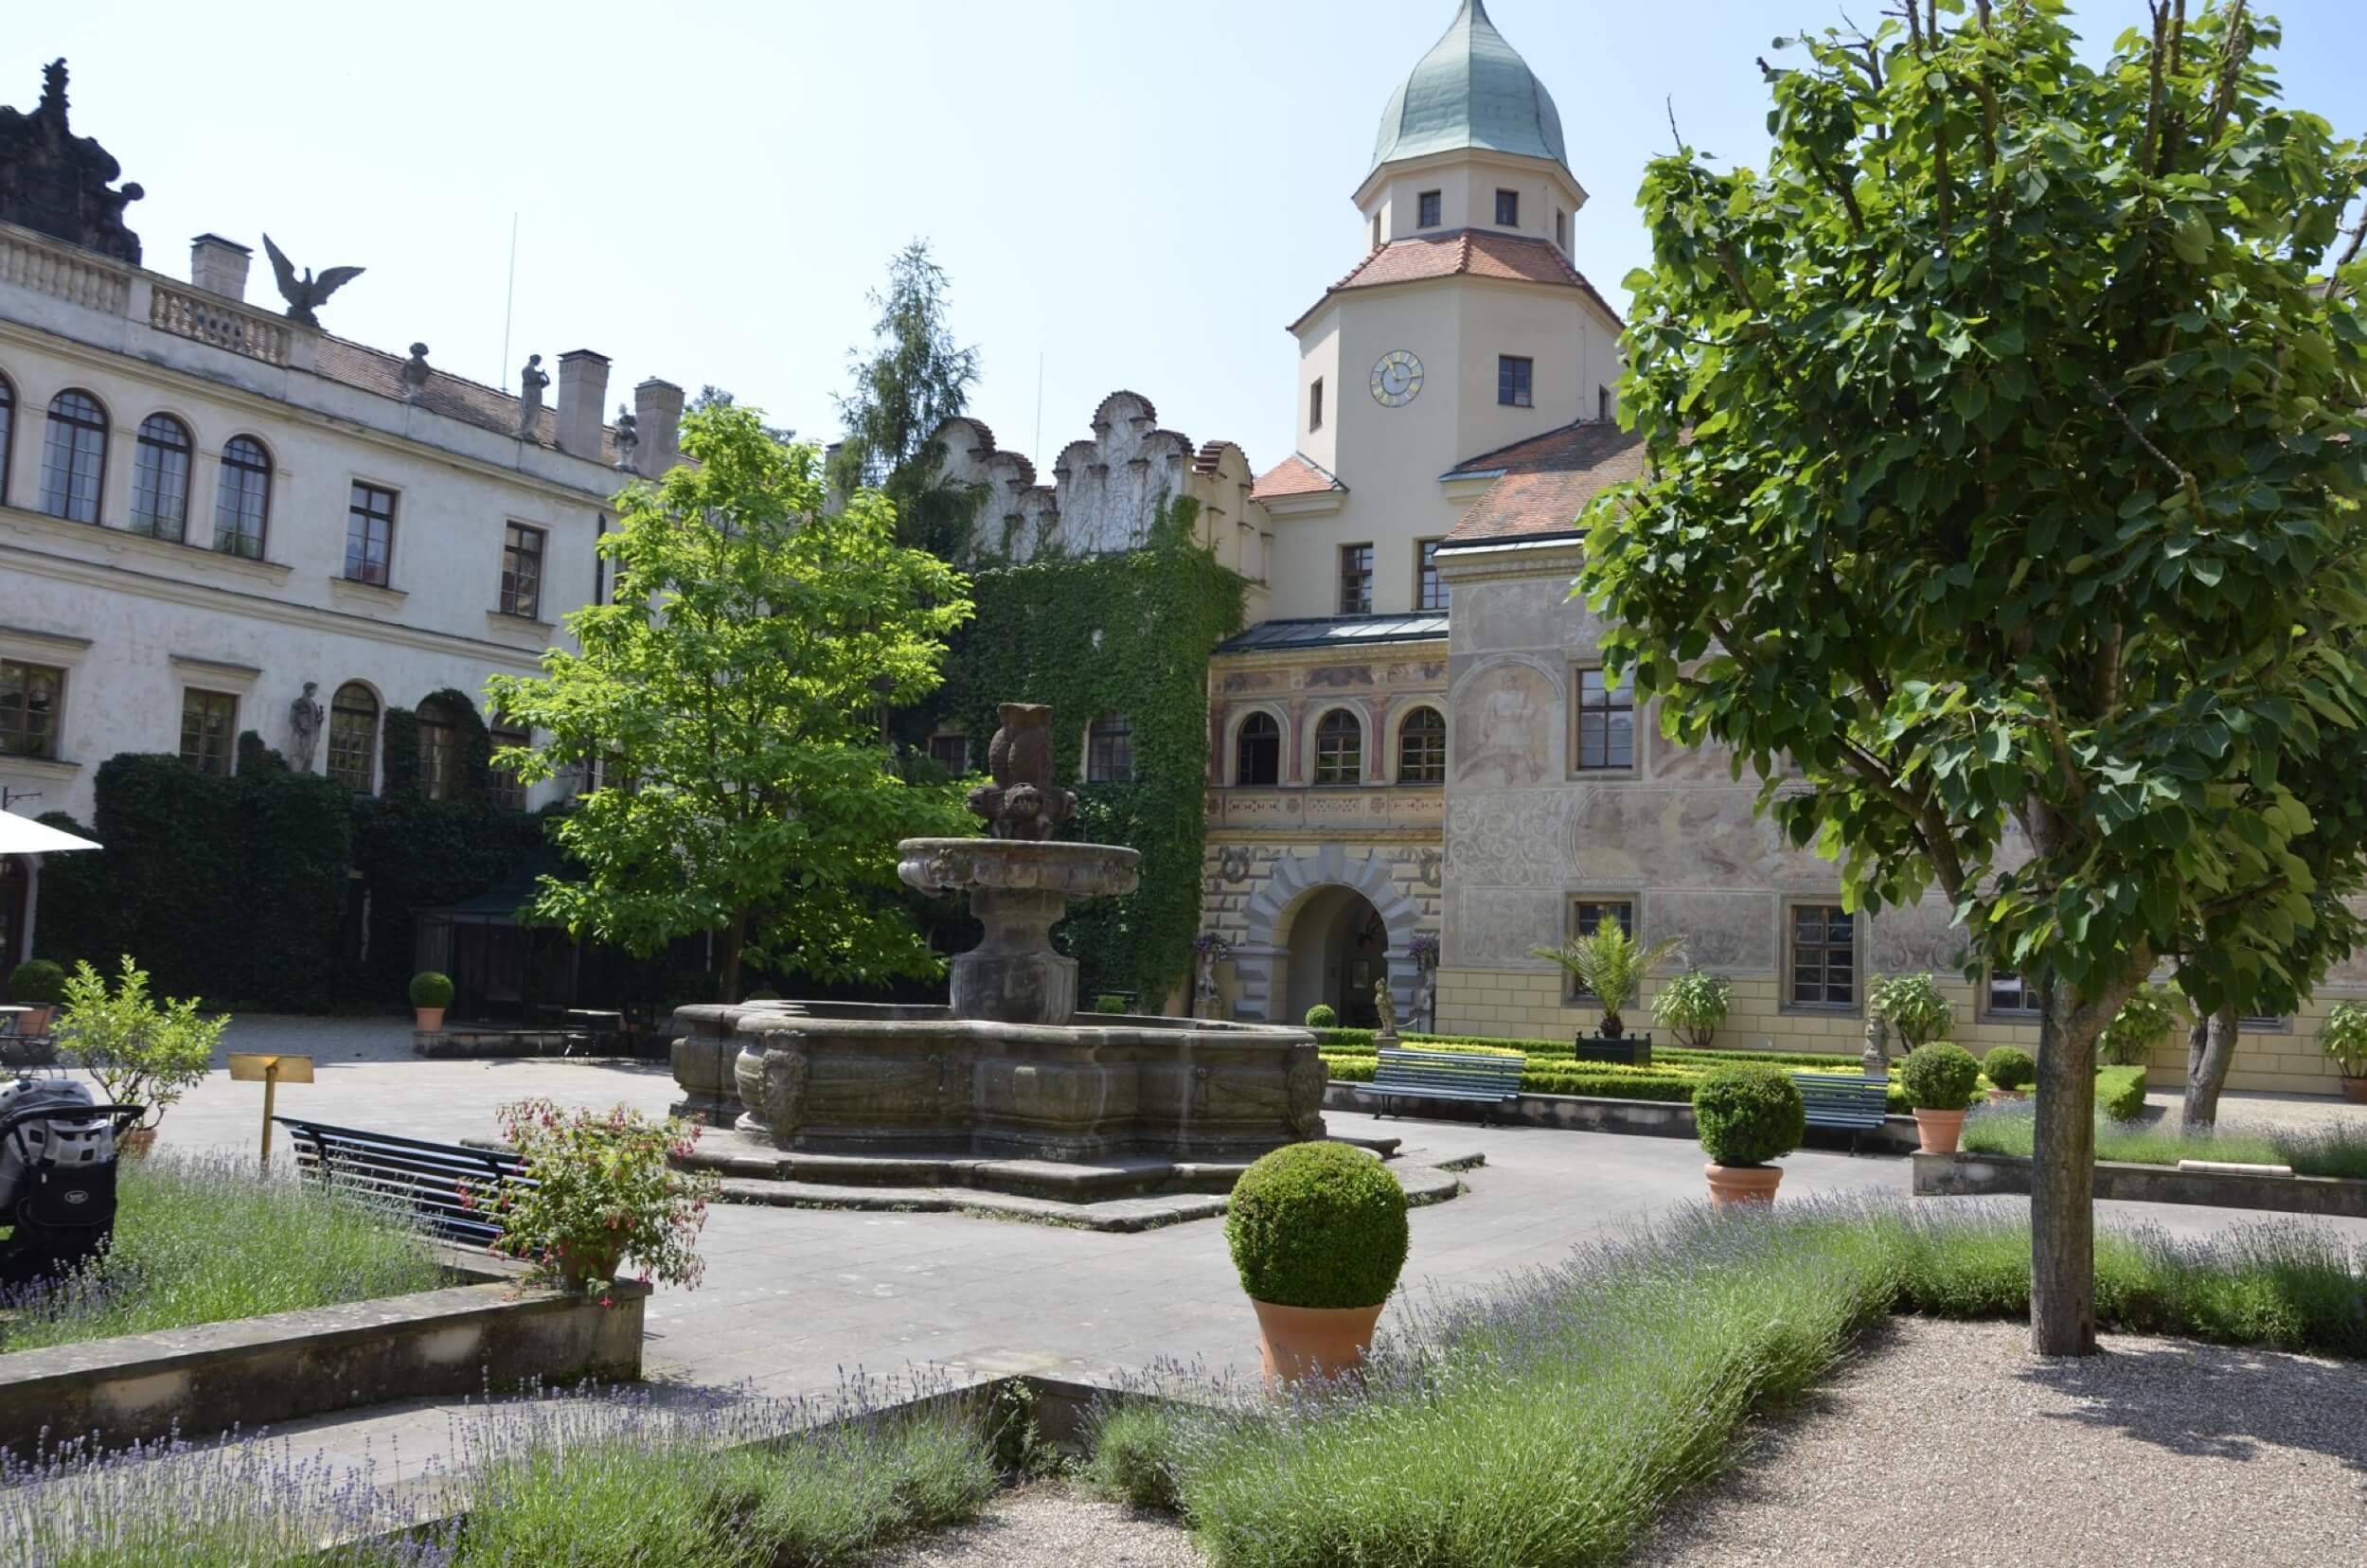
[1103, 635]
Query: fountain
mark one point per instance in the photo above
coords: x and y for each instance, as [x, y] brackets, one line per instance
[1009, 1078]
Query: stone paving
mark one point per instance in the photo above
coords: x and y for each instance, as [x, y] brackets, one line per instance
[794, 1298]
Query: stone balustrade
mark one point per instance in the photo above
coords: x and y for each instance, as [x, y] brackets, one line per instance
[210, 319]
[74, 275]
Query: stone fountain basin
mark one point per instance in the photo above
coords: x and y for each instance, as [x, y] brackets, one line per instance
[1052, 865]
[854, 1077]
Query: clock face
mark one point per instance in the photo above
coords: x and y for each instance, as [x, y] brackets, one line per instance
[1397, 379]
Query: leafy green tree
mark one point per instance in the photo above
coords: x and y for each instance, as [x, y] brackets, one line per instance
[2001, 509]
[712, 395]
[729, 700]
[916, 378]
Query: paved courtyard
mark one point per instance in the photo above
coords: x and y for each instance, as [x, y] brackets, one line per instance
[792, 1298]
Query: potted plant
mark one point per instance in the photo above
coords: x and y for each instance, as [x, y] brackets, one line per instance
[40, 985]
[1939, 1081]
[1319, 1016]
[2344, 1038]
[2012, 1071]
[1747, 1115]
[431, 994]
[1611, 967]
[1914, 1007]
[1693, 1005]
[603, 1189]
[136, 1052]
[1318, 1232]
[2144, 1022]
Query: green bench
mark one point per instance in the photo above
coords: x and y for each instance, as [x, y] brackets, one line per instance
[1856, 1105]
[1485, 1080]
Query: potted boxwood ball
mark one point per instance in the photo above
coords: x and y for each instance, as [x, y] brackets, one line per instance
[431, 994]
[1747, 1116]
[1939, 1081]
[1318, 1232]
[2012, 1071]
[40, 985]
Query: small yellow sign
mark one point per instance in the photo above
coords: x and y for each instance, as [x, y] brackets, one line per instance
[271, 1072]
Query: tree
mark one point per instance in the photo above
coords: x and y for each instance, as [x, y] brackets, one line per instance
[2000, 509]
[728, 700]
[712, 395]
[916, 379]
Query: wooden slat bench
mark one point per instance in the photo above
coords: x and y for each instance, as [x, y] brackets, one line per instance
[1489, 1081]
[1856, 1105]
[426, 1178]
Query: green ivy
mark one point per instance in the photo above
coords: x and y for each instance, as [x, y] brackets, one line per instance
[1130, 635]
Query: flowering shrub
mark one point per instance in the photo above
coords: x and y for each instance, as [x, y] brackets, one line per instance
[602, 1192]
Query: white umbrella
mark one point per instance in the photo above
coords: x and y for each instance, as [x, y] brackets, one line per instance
[24, 836]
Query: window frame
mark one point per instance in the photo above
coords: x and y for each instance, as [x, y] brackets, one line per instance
[153, 448]
[1110, 750]
[221, 760]
[377, 716]
[439, 760]
[1429, 588]
[514, 534]
[10, 406]
[1579, 767]
[232, 462]
[2264, 1023]
[1376, 244]
[56, 731]
[357, 511]
[1359, 576]
[961, 739]
[509, 790]
[1314, 405]
[1508, 200]
[1240, 750]
[101, 426]
[1344, 764]
[1516, 382]
[1434, 768]
[1561, 230]
[2025, 1012]
[1789, 978]
[1575, 991]
[1430, 209]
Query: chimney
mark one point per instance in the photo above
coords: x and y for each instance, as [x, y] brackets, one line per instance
[583, 394]
[657, 412]
[219, 266]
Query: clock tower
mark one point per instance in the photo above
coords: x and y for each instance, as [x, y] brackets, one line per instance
[1464, 329]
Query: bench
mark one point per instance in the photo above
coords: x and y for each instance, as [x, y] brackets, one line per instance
[1856, 1105]
[1489, 1080]
[425, 1178]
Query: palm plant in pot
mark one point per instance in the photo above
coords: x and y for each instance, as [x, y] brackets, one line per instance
[1747, 1116]
[2344, 1038]
[1610, 967]
[1939, 1081]
[1318, 1232]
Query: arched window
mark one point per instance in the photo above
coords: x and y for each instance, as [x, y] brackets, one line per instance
[1340, 748]
[160, 478]
[1110, 750]
[242, 503]
[1257, 751]
[353, 736]
[1422, 747]
[509, 790]
[439, 751]
[8, 440]
[74, 459]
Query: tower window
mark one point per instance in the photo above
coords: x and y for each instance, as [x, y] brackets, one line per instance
[1602, 403]
[1430, 588]
[1315, 406]
[1356, 579]
[1427, 204]
[1561, 229]
[1375, 245]
[1507, 209]
[1513, 380]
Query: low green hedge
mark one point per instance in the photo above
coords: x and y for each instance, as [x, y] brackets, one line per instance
[2121, 1092]
[1360, 1042]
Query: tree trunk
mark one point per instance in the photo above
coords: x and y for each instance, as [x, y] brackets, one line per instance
[2063, 1178]
[2210, 1051]
[734, 936]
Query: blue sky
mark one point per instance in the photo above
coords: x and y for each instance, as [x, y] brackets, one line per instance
[1143, 196]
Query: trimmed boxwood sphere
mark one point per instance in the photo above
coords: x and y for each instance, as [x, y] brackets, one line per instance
[1319, 1016]
[1940, 1077]
[2010, 1067]
[1317, 1225]
[38, 983]
[431, 990]
[1749, 1115]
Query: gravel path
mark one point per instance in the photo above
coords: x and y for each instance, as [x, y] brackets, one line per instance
[1947, 1443]
[1052, 1526]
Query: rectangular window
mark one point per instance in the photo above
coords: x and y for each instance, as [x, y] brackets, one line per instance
[1315, 406]
[1427, 203]
[1109, 751]
[1430, 588]
[1375, 231]
[1512, 380]
[1561, 229]
[1587, 915]
[2263, 1024]
[30, 699]
[1604, 730]
[1824, 956]
[2009, 993]
[1603, 411]
[370, 533]
[522, 572]
[509, 790]
[209, 722]
[951, 752]
[1507, 209]
[1356, 579]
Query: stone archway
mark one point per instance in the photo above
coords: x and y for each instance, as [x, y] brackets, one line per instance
[1260, 962]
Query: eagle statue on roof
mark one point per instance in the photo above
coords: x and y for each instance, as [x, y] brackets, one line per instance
[303, 295]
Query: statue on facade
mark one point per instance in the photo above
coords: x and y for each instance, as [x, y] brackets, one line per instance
[415, 372]
[531, 381]
[1876, 1058]
[304, 726]
[304, 292]
[56, 183]
[1023, 802]
[628, 439]
[1385, 1009]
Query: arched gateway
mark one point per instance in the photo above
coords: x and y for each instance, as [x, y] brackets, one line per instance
[1310, 927]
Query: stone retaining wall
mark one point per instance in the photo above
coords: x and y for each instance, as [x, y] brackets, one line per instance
[2006, 1175]
[1599, 1113]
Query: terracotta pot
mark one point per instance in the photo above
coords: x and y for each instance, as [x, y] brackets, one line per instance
[2354, 1089]
[2007, 1096]
[1939, 1129]
[35, 1022]
[136, 1143]
[1734, 1185]
[1294, 1342]
[578, 1270]
[427, 1018]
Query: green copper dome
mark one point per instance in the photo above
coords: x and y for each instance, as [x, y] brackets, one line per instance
[1471, 90]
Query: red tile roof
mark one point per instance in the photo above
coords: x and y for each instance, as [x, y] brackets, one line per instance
[1470, 253]
[1293, 476]
[369, 369]
[1546, 481]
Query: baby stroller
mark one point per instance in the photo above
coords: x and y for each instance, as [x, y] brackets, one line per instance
[57, 1176]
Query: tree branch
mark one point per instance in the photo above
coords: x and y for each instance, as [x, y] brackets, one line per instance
[2234, 901]
[2185, 480]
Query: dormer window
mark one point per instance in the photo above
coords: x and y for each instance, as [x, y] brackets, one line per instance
[1507, 209]
[1427, 204]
